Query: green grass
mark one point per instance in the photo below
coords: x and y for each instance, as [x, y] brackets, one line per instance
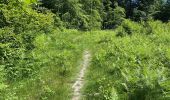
[124, 66]
[130, 67]
[57, 58]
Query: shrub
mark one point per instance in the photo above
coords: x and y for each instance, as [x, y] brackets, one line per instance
[22, 25]
[128, 27]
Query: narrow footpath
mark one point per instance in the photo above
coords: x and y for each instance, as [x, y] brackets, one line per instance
[77, 86]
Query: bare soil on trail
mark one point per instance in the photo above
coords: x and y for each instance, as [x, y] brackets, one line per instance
[77, 86]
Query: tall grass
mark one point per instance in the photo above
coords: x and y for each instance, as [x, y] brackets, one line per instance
[134, 66]
[129, 63]
[57, 58]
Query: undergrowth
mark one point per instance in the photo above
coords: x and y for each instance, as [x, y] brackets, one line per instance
[132, 65]
[56, 58]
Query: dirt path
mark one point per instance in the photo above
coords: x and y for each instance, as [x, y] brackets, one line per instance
[80, 79]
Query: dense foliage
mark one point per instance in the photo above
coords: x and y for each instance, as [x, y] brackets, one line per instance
[19, 26]
[130, 68]
[40, 48]
[94, 14]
